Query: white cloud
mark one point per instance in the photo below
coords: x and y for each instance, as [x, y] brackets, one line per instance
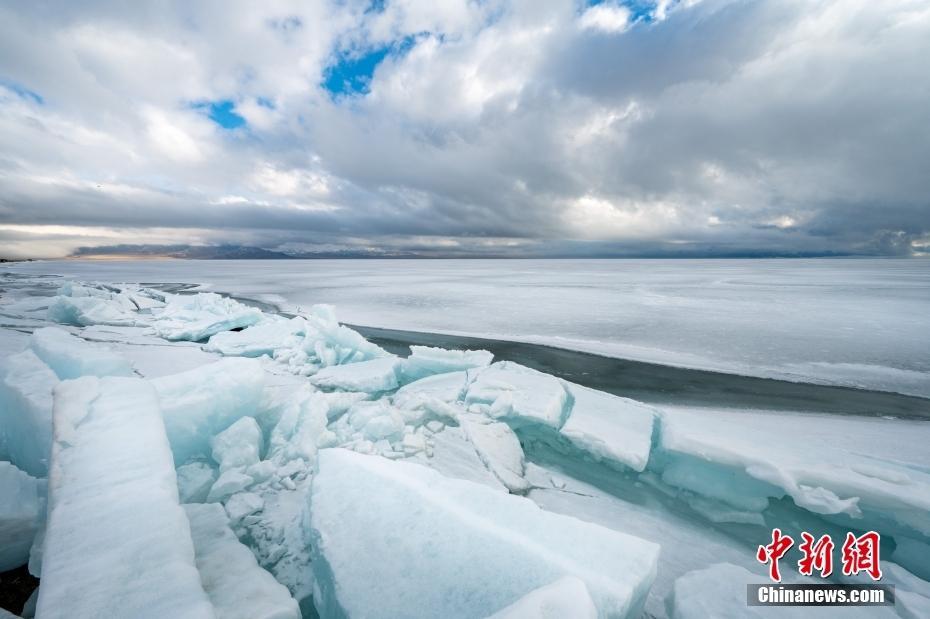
[513, 120]
[606, 17]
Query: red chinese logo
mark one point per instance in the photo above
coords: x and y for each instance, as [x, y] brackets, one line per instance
[817, 555]
[860, 554]
[773, 552]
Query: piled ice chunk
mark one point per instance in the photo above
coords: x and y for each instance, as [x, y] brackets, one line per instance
[203, 402]
[196, 317]
[237, 586]
[519, 395]
[238, 445]
[325, 343]
[467, 551]
[118, 543]
[261, 339]
[90, 310]
[22, 509]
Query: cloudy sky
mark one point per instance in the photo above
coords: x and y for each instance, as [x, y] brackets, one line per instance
[456, 127]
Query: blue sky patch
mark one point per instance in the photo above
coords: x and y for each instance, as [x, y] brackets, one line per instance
[22, 91]
[640, 10]
[351, 74]
[222, 113]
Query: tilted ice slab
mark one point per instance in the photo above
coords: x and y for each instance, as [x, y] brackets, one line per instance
[237, 586]
[566, 597]
[22, 508]
[719, 591]
[466, 550]
[198, 316]
[609, 428]
[201, 403]
[518, 395]
[499, 449]
[26, 382]
[26, 411]
[71, 357]
[118, 543]
[826, 467]
[425, 361]
[374, 376]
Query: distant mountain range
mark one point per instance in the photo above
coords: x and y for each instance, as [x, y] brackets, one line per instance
[219, 252]
[243, 252]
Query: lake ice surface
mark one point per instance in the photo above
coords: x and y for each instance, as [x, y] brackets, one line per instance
[260, 419]
[854, 322]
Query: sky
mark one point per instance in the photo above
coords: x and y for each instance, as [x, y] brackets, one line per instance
[467, 127]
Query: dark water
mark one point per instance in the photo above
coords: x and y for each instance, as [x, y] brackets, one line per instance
[661, 384]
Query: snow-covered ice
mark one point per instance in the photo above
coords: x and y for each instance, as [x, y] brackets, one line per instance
[466, 551]
[852, 322]
[118, 542]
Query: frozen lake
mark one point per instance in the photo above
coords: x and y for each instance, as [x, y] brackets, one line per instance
[854, 322]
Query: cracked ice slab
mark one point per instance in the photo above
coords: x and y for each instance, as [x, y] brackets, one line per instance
[118, 544]
[238, 587]
[466, 550]
[829, 471]
[610, 428]
[518, 394]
